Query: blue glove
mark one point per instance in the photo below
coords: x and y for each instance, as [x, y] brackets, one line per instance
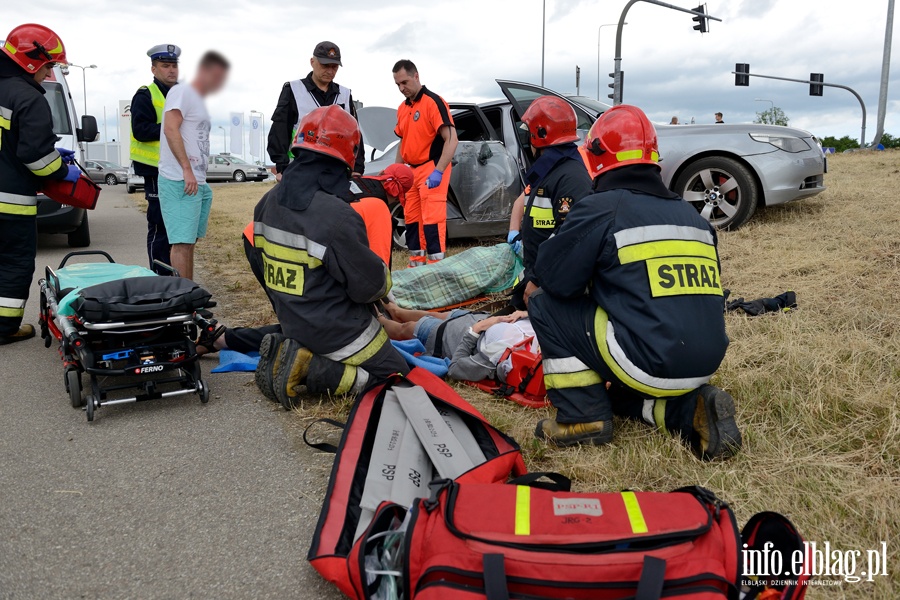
[73, 174]
[514, 239]
[434, 179]
[68, 156]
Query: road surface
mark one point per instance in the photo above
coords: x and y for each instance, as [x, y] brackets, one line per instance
[162, 499]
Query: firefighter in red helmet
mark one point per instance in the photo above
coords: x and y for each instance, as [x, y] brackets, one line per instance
[630, 311]
[556, 181]
[321, 276]
[27, 157]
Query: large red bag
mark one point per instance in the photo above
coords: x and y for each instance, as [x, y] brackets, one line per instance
[334, 552]
[82, 193]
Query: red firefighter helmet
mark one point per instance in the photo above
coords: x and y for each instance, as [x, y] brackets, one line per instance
[551, 121]
[329, 130]
[621, 136]
[32, 46]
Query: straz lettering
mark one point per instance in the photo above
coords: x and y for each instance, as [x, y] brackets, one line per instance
[544, 223]
[679, 276]
[283, 277]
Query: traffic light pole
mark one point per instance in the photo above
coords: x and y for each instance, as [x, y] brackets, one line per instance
[862, 136]
[617, 75]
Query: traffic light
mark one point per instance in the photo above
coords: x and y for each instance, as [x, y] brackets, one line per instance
[816, 88]
[616, 85]
[702, 22]
[742, 74]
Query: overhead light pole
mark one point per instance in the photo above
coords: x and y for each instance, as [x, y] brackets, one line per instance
[543, 40]
[599, 29]
[224, 139]
[84, 81]
[765, 100]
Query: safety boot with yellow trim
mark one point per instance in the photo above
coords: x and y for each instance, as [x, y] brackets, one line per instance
[715, 434]
[25, 332]
[293, 366]
[572, 434]
[268, 364]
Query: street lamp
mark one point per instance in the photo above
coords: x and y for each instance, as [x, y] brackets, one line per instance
[84, 81]
[224, 140]
[765, 100]
[599, 29]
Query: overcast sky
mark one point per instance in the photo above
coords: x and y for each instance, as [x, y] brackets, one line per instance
[460, 47]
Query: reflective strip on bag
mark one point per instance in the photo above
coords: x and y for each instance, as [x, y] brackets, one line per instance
[523, 510]
[635, 515]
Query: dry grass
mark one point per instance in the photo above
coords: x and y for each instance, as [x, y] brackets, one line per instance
[816, 389]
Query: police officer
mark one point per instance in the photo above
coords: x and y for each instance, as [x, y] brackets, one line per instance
[319, 272]
[428, 142]
[27, 155]
[555, 181]
[301, 96]
[649, 333]
[146, 118]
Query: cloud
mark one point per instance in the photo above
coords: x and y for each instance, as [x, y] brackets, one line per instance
[401, 40]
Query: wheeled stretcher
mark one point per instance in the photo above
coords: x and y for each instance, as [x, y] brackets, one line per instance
[125, 328]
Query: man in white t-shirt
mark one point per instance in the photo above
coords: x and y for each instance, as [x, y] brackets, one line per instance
[184, 196]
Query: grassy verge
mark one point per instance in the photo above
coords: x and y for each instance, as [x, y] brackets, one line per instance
[816, 389]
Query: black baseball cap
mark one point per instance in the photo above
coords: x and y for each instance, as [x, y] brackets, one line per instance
[328, 53]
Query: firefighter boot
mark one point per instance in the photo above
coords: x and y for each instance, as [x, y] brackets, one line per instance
[268, 365]
[25, 332]
[715, 433]
[572, 434]
[293, 365]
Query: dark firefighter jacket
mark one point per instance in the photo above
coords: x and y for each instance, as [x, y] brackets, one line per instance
[317, 266]
[551, 199]
[27, 141]
[649, 261]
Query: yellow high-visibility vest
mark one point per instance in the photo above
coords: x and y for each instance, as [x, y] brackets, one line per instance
[148, 152]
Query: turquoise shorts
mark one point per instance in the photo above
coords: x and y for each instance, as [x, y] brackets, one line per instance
[185, 216]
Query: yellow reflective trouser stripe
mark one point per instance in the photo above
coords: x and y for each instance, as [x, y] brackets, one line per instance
[635, 515]
[600, 327]
[559, 381]
[285, 253]
[369, 351]
[659, 414]
[17, 209]
[40, 170]
[347, 380]
[542, 218]
[523, 510]
[11, 312]
[667, 248]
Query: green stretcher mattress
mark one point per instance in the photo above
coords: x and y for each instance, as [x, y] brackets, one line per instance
[74, 278]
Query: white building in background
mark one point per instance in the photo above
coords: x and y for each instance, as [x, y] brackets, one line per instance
[119, 149]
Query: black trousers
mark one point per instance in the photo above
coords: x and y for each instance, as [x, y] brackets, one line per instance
[18, 248]
[576, 375]
[158, 247]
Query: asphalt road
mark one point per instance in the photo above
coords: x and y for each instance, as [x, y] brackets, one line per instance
[162, 499]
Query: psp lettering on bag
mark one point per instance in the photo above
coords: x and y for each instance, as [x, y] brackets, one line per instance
[589, 507]
[679, 276]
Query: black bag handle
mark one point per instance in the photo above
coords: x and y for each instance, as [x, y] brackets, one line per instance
[323, 446]
[558, 482]
[653, 579]
[494, 577]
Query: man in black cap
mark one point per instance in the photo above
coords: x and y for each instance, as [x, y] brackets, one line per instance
[301, 96]
[146, 118]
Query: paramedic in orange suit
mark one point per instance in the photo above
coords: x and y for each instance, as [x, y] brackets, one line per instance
[428, 142]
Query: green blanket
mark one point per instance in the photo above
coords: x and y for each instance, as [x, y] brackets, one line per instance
[75, 277]
[467, 275]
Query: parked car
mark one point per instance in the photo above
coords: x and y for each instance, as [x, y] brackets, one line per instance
[133, 182]
[52, 217]
[726, 171]
[104, 171]
[224, 167]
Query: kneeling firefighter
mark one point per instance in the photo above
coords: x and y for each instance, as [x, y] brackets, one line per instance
[649, 333]
[557, 179]
[319, 272]
[27, 158]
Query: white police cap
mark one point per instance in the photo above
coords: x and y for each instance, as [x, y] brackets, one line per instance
[165, 53]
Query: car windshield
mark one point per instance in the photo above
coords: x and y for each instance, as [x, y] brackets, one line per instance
[237, 161]
[62, 124]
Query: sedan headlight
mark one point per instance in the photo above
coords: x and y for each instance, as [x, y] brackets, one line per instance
[788, 143]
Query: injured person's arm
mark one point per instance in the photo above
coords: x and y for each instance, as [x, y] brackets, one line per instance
[469, 362]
